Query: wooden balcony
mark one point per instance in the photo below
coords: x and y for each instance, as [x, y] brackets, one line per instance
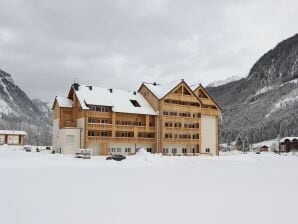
[99, 126]
[126, 140]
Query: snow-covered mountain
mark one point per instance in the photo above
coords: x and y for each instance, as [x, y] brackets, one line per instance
[265, 103]
[18, 111]
[223, 82]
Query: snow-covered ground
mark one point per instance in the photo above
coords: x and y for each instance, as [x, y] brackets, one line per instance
[43, 188]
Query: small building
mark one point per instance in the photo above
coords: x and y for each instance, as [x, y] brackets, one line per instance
[12, 137]
[288, 144]
[264, 148]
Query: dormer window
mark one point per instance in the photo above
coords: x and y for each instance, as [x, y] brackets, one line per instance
[135, 103]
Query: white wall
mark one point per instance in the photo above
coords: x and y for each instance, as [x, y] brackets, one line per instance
[208, 133]
[69, 148]
[81, 124]
[131, 146]
[55, 141]
[178, 147]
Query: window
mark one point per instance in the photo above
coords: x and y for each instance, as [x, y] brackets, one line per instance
[91, 120]
[184, 150]
[168, 135]
[174, 150]
[127, 150]
[168, 124]
[99, 108]
[149, 150]
[138, 123]
[165, 150]
[70, 139]
[91, 133]
[135, 103]
[178, 125]
[207, 150]
[118, 149]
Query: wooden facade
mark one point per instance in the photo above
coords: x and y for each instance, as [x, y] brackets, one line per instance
[179, 118]
[10, 137]
[177, 122]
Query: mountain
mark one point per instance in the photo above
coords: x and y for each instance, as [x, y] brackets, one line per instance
[18, 111]
[222, 82]
[265, 103]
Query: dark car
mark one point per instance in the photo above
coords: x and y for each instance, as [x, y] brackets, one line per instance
[27, 148]
[116, 157]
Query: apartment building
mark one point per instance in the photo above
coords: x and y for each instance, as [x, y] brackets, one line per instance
[188, 119]
[173, 120]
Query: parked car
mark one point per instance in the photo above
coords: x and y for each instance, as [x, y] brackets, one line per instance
[116, 157]
[78, 155]
[27, 148]
[86, 154]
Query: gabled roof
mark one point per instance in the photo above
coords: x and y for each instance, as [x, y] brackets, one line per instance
[63, 102]
[119, 100]
[12, 132]
[161, 91]
[206, 92]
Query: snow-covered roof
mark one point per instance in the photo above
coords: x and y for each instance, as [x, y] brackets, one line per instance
[160, 90]
[290, 138]
[12, 132]
[119, 100]
[64, 102]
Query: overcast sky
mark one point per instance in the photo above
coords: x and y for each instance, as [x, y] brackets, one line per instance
[119, 44]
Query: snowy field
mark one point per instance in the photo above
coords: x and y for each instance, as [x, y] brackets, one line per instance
[40, 188]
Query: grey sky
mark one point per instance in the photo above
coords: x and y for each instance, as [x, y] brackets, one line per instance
[119, 44]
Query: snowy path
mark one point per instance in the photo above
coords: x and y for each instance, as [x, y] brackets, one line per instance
[49, 189]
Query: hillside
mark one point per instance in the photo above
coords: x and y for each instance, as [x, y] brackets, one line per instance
[264, 104]
[18, 111]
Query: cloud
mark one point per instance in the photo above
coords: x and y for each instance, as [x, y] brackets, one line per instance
[119, 44]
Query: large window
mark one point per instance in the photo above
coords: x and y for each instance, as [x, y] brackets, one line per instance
[70, 139]
[99, 108]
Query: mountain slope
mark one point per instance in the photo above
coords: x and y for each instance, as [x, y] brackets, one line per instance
[264, 104]
[18, 111]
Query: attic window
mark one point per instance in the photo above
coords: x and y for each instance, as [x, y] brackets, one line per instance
[135, 103]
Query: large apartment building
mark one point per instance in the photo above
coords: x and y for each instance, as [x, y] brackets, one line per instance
[173, 120]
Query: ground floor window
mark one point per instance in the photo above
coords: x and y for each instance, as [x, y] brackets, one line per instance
[174, 150]
[149, 150]
[70, 139]
[207, 150]
[118, 149]
[112, 149]
[128, 150]
[165, 150]
[184, 150]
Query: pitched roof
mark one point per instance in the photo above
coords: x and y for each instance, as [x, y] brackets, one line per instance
[64, 102]
[161, 90]
[119, 100]
[12, 132]
[205, 90]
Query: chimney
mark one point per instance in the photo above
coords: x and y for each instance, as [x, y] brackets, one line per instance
[154, 83]
[76, 86]
[90, 88]
[134, 93]
[111, 90]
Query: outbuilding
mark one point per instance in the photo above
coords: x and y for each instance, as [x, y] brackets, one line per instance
[12, 137]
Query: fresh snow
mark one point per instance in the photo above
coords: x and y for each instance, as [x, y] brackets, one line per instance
[234, 188]
[119, 100]
[223, 82]
[285, 101]
[12, 132]
[64, 102]
[264, 90]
